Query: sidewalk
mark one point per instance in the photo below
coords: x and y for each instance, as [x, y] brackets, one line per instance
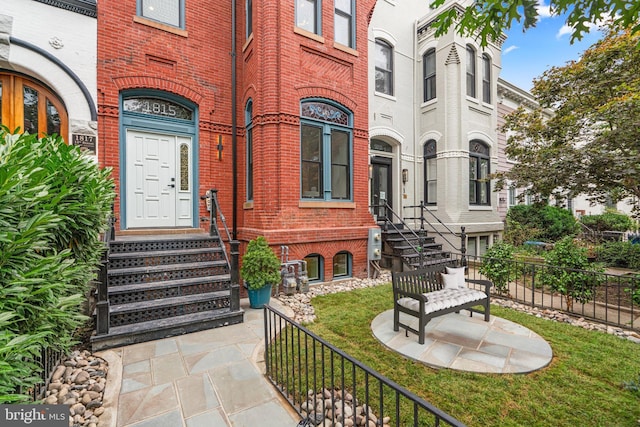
[212, 378]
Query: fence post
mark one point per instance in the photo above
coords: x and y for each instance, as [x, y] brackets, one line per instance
[235, 275]
[102, 305]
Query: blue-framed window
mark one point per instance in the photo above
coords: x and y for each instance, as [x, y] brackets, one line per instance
[471, 71]
[249, 16]
[429, 72]
[486, 78]
[344, 28]
[430, 173]
[479, 170]
[315, 267]
[326, 151]
[309, 15]
[248, 122]
[169, 12]
[342, 265]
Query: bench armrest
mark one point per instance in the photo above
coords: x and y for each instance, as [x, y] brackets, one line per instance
[486, 283]
[399, 293]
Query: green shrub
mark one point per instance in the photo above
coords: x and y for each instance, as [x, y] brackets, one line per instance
[498, 265]
[609, 221]
[54, 203]
[619, 254]
[539, 222]
[569, 272]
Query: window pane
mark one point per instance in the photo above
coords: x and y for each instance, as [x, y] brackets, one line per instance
[484, 168]
[30, 110]
[432, 192]
[313, 267]
[340, 165]
[311, 161]
[383, 56]
[53, 119]
[484, 244]
[343, 30]
[167, 11]
[343, 5]
[339, 148]
[249, 6]
[184, 167]
[471, 246]
[250, 164]
[306, 15]
[340, 265]
[472, 169]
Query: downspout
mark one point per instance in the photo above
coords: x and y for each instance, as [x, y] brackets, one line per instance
[234, 125]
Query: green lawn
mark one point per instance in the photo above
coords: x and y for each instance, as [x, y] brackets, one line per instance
[581, 387]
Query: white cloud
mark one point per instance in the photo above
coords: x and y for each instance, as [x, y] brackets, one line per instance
[544, 10]
[563, 31]
[509, 49]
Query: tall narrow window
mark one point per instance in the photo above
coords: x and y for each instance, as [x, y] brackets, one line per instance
[430, 173]
[479, 170]
[486, 79]
[248, 122]
[249, 17]
[343, 26]
[184, 167]
[471, 71]
[170, 12]
[429, 71]
[308, 13]
[326, 152]
[384, 67]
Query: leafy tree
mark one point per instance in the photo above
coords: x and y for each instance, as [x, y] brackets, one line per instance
[498, 266]
[585, 137]
[569, 273]
[538, 221]
[609, 221]
[487, 19]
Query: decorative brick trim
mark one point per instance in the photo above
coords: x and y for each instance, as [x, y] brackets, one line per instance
[108, 110]
[325, 92]
[149, 82]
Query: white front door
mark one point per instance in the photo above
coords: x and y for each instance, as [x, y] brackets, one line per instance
[158, 180]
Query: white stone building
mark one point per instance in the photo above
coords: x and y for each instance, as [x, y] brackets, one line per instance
[48, 68]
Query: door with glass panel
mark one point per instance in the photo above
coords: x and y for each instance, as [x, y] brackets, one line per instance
[29, 106]
[381, 186]
[158, 180]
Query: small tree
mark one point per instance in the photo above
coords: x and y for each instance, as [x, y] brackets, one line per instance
[569, 273]
[497, 266]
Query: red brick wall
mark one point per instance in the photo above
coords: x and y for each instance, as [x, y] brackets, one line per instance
[277, 68]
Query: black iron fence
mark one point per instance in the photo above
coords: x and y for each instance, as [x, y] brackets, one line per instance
[48, 361]
[612, 299]
[322, 382]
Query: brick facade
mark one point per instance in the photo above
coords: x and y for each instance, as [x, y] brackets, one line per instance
[277, 67]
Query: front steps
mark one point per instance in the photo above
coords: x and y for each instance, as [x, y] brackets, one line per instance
[162, 286]
[402, 249]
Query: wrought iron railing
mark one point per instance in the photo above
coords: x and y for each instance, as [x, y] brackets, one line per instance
[48, 361]
[317, 379]
[606, 298]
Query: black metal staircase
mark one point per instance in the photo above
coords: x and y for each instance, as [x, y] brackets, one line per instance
[153, 287]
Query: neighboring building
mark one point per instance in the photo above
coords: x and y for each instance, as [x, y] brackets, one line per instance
[177, 93]
[433, 122]
[48, 68]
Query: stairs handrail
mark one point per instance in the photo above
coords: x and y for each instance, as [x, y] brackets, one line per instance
[214, 210]
[423, 220]
[388, 221]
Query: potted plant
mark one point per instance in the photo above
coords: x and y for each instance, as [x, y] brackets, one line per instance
[260, 270]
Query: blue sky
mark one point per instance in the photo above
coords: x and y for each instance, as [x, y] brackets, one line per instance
[527, 55]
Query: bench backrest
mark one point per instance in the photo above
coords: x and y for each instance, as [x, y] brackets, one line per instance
[422, 280]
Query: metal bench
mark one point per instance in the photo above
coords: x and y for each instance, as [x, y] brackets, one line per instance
[421, 294]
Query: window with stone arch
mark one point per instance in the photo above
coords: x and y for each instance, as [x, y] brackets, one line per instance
[31, 106]
[326, 151]
[479, 170]
[471, 71]
[384, 67]
[430, 173]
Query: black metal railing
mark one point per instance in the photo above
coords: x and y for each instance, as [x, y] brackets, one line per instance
[48, 361]
[102, 283]
[322, 382]
[606, 298]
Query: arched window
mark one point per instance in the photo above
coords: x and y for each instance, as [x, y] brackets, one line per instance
[315, 267]
[430, 173]
[479, 170]
[31, 106]
[342, 265]
[486, 78]
[429, 72]
[248, 122]
[471, 71]
[384, 67]
[326, 147]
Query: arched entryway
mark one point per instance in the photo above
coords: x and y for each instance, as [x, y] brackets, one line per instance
[158, 161]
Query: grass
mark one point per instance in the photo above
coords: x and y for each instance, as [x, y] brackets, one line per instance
[583, 385]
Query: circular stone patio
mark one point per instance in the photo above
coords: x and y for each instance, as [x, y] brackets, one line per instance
[458, 341]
